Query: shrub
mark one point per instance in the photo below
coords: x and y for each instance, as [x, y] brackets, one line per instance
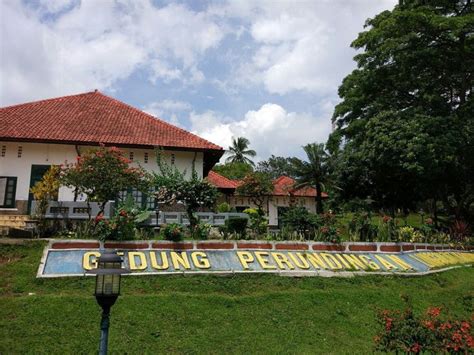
[301, 221]
[388, 230]
[361, 228]
[200, 231]
[173, 232]
[258, 223]
[405, 332]
[459, 232]
[237, 225]
[329, 234]
[223, 207]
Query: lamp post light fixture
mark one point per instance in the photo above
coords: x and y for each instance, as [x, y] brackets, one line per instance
[107, 290]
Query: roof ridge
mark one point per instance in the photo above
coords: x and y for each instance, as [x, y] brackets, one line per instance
[50, 99]
[154, 118]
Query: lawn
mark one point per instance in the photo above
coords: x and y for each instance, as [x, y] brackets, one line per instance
[210, 314]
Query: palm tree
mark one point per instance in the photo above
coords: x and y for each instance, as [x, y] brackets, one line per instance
[239, 151]
[314, 172]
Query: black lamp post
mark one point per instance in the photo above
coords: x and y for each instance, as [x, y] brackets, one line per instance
[107, 290]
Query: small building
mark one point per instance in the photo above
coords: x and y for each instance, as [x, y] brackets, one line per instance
[284, 195]
[36, 135]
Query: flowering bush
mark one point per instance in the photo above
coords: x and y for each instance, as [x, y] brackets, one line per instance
[123, 225]
[173, 232]
[403, 331]
[329, 233]
[388, 230]
[201, 231]
[361, 228]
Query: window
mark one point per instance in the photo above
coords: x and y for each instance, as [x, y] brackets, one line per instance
[20, 151]
[131, 156]
[4, 150]
[173, 159]
[145, 158]
[7, 191]
[142, 200]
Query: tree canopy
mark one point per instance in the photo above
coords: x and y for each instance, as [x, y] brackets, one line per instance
[239, 151]
[405, 125]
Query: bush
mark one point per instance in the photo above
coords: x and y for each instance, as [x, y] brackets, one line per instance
[237, 225]
[300, 220]
[223, 207]
[407, 333]
[361, 228]
[173, 232]
[258, 223]
[388, 230]
[200, 231]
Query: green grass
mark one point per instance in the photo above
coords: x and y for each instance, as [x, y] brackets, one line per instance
[210, 314]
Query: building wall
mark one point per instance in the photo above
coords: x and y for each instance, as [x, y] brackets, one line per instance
[19, 165]
[272, 203]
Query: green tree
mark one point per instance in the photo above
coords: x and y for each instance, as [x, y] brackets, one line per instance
[171, 186]
[314, 172]
[239, 151]
[276, 167]
[406, 115]
[257, 186]
[234, 171]
[102, 173]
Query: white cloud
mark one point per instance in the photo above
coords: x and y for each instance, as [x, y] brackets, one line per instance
[169, 110]
[270, 129]
[94, 44]
[301, 46]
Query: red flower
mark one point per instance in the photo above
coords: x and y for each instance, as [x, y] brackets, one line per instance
[416, 348]
[429, 324]
[386, 219]
[388, 324]
[429, 221]
[99, 218]
[123, 213]
[434, 311]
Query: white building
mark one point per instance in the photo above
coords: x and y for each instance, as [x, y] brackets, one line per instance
[36, 135]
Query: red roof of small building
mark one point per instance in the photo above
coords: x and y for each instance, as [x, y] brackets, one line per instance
[221, 182]
[93, 118]
[284, 186]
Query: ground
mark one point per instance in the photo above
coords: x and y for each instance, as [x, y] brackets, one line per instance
[210, 314]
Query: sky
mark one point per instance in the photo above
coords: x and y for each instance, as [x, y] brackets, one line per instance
[265, 70]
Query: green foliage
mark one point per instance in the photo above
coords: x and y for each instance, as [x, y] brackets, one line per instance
[223, 207]
[102, 174]
[429, 333]
[237, 225]
[258, 222]
[314, 172]
[257, 186]
[300, 220]
[173, 231]
[239, 152]
[362, 229]
[276, 167]
[44, 191]
[233, 171]
[201, 231]
[171, 186]
[123, 225]
[406, 111]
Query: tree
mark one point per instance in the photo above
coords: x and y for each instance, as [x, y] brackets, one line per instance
[314, 172]
[276, 167]
[234, 171]
[239, 151]
[406, 111]
[102, 173]
[257, 186]
[171, 186]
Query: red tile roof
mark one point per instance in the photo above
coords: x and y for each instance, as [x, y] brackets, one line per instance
[93, 118]
[221, 182]
[284, 186]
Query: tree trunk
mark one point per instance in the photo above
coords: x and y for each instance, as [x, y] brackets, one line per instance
[319, 199]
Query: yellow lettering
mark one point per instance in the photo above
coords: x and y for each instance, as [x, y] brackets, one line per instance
[400, 262]
[89, 260]
[180, 259]
[316, 261]
[282, 260]
[132, 261]
[200, 260]
[355, 262]
[331, 261]
[343, 262]
[385, 263]
[164, 261]
[369, 262]
[245, 258]
[299, 261]
[264, 263]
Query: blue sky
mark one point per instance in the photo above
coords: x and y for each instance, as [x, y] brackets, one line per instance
[266, 70]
